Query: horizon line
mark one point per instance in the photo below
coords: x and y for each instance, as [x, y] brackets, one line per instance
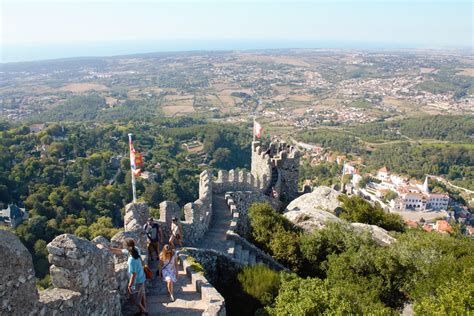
[344, 45]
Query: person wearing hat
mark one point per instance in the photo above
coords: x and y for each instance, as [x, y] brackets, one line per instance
[176, 233]
[155, 236]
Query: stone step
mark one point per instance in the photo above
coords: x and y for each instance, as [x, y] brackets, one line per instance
[187, 300]
[252, 259]
[230, 248]
[245, 257]
[238, 252]
[217, 230]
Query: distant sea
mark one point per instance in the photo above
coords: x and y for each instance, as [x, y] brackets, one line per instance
[32, 52]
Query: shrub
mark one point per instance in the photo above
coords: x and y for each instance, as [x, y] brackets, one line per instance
[357, 209]
[299, 296]
[260, 282]
[275, 234]
[334, 239]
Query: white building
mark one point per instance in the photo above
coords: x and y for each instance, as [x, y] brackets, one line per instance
[418, 197]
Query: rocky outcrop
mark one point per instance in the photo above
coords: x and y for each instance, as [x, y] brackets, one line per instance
[379, 234]
[314, 210]
[311, 219]
[17, 277]
[322, 198]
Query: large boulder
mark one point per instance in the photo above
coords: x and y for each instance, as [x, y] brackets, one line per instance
[322, 198]
[379, 234]
[313, 210]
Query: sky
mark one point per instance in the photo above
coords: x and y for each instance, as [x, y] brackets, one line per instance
[37, 29]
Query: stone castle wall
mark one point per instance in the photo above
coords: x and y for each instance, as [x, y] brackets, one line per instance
[241, 201]
[88, 279]
[197, 214]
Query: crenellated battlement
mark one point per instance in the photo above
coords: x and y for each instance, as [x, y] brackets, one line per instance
[197, 214]
[276, 166]
[237, 180]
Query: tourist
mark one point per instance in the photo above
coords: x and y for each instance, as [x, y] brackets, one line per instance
[155, 236]
[169, 268]
[176, 233]
[136, 285]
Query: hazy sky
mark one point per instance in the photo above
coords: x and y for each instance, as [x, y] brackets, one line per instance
[406, 22]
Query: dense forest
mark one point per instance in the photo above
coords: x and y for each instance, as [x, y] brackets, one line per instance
[458, 129]
[69, 178]
[454, 162]
[336, 270]
[437, 145]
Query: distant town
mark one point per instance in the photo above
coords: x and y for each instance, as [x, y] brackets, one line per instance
[300, 88]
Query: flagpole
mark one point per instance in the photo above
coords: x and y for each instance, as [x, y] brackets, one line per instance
[132, 163]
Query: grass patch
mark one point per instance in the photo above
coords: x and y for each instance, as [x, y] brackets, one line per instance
[196, 266]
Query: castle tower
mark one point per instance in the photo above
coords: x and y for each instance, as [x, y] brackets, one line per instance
[276, 167]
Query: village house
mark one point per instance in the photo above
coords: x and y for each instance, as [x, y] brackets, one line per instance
[12, 216]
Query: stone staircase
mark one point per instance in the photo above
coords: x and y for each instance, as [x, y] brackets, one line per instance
[188, 298]
[222, 237]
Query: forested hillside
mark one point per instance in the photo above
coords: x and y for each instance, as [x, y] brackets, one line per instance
[339, 271]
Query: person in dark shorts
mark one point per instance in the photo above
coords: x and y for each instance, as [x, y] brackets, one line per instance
[155, 236]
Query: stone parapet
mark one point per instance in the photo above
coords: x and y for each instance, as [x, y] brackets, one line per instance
[18, 294]
[215, 303]
[66, 302]
[260, 254]
[78, 265]
[237, 180]
[197, 214]
[83, 276]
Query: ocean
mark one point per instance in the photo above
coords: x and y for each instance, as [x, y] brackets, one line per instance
[33, 52]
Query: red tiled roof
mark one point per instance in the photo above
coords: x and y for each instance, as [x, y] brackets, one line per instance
[443, 226]
[427, 228]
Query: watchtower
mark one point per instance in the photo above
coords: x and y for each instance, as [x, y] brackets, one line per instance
[277, 167]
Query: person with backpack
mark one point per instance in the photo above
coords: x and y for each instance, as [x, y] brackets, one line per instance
[169, 268]
[155, 236]
[136, 285]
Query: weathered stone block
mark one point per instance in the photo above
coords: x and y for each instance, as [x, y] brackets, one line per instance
[18, 294]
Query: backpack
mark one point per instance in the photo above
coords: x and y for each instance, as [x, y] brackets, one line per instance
[149, 233]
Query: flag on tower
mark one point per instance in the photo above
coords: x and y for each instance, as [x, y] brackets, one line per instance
[257, 129]
[136, 160]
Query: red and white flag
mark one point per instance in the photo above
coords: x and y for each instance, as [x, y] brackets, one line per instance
[257, 129]
[136, 160]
